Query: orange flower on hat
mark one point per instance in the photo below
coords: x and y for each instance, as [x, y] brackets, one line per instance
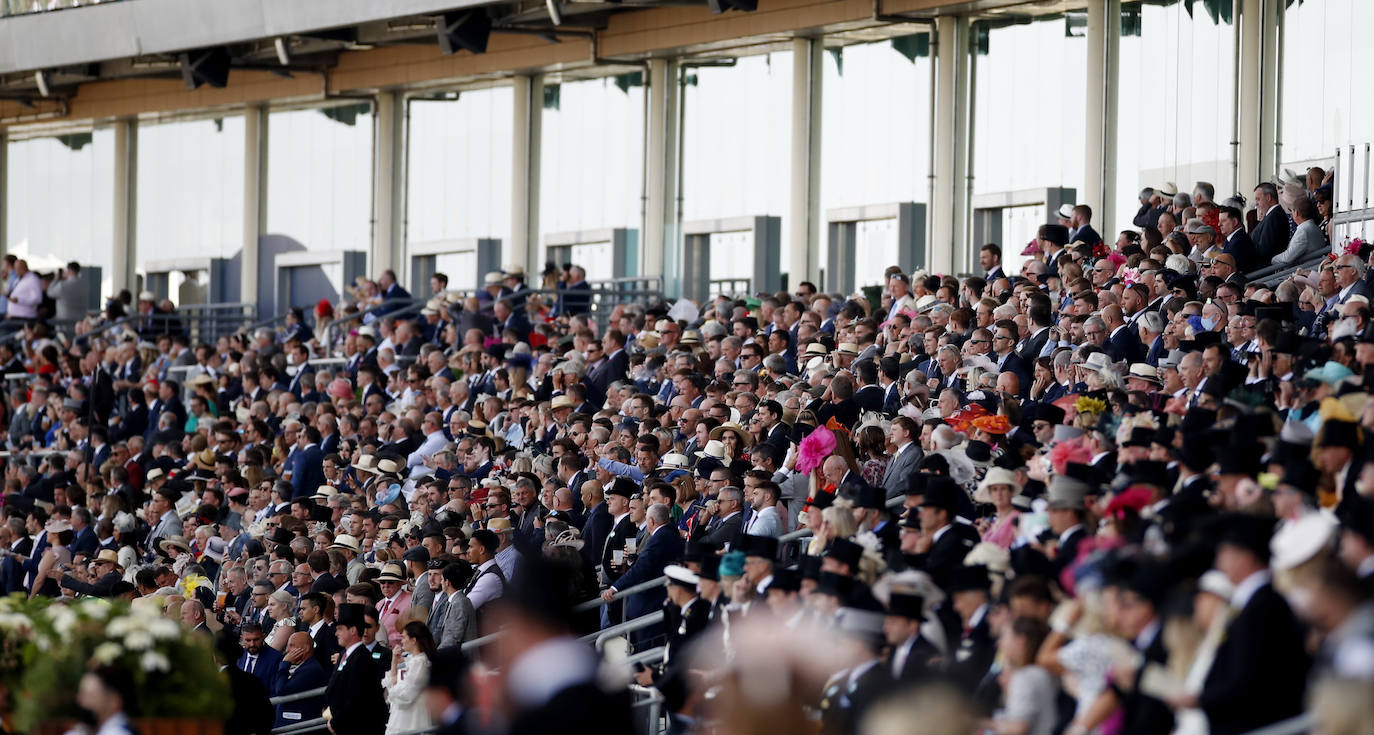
[998, 424]
[962, 420]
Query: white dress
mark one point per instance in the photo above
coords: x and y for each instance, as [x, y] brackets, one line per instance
[405, 693]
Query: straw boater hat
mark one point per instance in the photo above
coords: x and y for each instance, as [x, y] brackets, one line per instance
[174, 542]
[367, 463]
[111, 556]
[392, 572]
[346, 542]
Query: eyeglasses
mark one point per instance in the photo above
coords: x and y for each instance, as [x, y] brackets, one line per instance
[1345, 265]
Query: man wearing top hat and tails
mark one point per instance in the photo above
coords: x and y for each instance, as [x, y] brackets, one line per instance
[354, 694]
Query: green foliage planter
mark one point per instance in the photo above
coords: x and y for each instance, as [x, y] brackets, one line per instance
[46, 647]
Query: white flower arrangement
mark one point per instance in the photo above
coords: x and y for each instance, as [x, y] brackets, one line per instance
[154, 661]
[107, 653]
[138, 640]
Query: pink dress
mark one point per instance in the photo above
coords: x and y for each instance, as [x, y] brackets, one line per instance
[1003, 530]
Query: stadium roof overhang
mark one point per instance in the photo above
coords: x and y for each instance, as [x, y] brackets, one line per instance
[84, 65]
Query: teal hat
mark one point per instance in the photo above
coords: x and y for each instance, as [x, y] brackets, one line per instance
[732, 564]
[1330, 373]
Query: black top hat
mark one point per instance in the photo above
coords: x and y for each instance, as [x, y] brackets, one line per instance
[838, 585]
[978, 451]
[1299, 473]
[622, 486]
[1148, 472]
[822, 500]
[1056, 233]
[1151, 581]
[785, 580]
[1241, 460]
[968, 578]
[281, 536]
[870, 497]
[351, 615]
[1247, 531]
[710, 567]
[809, 567]
[941, 492]
[1357, 516]
[1197, 419]
[762, 546]
[1337, 433]
[845, 551]
[906, 605]
[1140, 437]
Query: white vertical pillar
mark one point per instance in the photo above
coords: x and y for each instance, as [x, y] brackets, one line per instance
[124, 263]
[522, 248]
[804, 241]
[254, 200]
[4, 192]
[1100, 125]
[1257, 103]
[660, 167]
[950, 209]
[388, 185]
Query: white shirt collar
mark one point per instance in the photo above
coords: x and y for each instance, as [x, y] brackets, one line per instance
[1248, 587]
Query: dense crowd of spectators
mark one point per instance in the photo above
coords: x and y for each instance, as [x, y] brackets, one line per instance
[1125, 490]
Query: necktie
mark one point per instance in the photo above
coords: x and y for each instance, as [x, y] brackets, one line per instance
[252, 662]
[436, 618]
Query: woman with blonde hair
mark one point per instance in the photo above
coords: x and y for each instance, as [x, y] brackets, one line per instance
[281, 608]
[837, 521]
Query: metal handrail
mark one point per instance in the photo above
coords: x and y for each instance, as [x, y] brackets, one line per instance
[596, 602]
[383, 305]
[296, 728]
[657, 654]
[477, 643]
[615, 631]
[307, 694]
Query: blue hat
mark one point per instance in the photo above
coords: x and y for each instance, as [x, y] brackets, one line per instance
[389, 495]
[1330, 373]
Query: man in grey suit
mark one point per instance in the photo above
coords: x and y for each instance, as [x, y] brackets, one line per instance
[452, 619]
[765, 521]
[908, 454]
[1307, 241]
[724, 519]
[70, 293]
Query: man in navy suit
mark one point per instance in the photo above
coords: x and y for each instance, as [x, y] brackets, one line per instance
[1004, 354]
[662, 546]
[1270, 236]
[304, 380]
[575, 295]
[84, 540]
[596, 527]
[1123, 340]
[307, 474]
[391, 291]
[1081, 226]
[510, 318]
[298, 671]
[611, 369]
[1231, 223]
[258, 659]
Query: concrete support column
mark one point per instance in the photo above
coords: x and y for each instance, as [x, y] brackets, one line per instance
[4, 192]
[254, 200]
[124, 263]
[388, 186]
[951, 128]
[1257, 81]
[661, 225]
[1100, 126]
[522, 247]
[804, 214]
